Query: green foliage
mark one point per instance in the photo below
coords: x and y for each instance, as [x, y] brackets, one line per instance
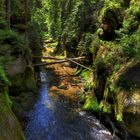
[71, 24]
[47, 15]
[114, 5]
[3, 78]
[94, 45]
[87, 76]
[100, 31]
[130, 24]
[134, 10]
[84, 44]
[130, 45]
[40, 19]
[93, 2]
[119, 118]
[91, 103]
[76, 26]
[55, 18]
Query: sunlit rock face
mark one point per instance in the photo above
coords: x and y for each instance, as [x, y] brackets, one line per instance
[128, 97]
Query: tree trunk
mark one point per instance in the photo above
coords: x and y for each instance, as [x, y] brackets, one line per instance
[8, 4]
[26, 18]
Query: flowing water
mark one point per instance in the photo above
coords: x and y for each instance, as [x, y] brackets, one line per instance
[54, 120]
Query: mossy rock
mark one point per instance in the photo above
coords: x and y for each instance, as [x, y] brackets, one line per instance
[127, 95]
[91, 103]
[10, 128]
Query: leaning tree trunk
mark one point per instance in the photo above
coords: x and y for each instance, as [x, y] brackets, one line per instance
[26, 18]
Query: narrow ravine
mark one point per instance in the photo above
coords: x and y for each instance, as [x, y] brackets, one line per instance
[53, 120]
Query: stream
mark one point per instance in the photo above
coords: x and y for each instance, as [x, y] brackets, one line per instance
[51, 119]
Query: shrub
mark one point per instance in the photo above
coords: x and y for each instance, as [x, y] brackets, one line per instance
[91, 103]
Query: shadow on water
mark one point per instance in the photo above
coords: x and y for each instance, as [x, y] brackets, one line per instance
[54, 120]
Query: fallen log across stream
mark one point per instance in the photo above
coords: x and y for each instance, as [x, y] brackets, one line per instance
[47, 57]
[59, 60]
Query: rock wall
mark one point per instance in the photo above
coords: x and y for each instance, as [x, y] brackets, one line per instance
[17, 75]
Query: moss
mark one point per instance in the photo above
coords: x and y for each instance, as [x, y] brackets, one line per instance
[91, 103]
[119, 117]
